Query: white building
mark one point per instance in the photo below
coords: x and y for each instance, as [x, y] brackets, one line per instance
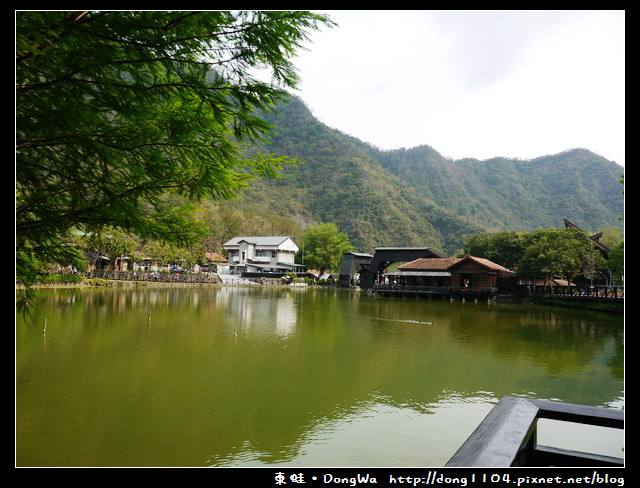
[270, 254]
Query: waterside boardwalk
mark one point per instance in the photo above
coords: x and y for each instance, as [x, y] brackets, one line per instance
[570, 294]
[598, 297]
[578, 291]
[437, 292]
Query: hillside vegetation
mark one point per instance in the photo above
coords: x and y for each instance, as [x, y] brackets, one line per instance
[416, 197]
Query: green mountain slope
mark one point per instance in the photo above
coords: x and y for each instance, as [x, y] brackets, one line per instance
[416, 197]
[521, 195]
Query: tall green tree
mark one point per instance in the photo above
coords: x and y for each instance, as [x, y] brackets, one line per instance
[559, 253]
[323, 247]
[116, 109]
[479, 244]
[503, 247]
[616, 263]
[114, 244]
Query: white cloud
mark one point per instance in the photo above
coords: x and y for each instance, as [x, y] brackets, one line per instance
[472, 83]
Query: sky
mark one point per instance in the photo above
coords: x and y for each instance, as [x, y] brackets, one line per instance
[480, 84]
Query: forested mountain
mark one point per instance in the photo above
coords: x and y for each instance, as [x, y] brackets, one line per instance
[416, 197]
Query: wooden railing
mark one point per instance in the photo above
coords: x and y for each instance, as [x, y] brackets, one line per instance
[155, 276]
[438, 290]
[508, 435]
[596, 291]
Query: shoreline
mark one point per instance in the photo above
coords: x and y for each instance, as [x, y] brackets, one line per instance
[600, 306]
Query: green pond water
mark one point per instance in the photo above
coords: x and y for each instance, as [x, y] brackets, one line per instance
[278, 376]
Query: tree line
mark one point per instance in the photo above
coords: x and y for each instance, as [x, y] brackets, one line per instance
[542, 254]
[550, 253]
[321, 247]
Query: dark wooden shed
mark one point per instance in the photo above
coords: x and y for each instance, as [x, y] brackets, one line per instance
[385, 256]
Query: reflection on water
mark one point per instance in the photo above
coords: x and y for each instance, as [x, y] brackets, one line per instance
[374, 433]
[237, 376]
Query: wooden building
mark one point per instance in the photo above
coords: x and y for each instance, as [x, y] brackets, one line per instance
[467, 272]
[470, 276]
[350, 267]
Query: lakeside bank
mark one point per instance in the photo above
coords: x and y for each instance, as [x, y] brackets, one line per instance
[63, 281]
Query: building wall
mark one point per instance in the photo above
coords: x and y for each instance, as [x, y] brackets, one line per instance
[286, 257]
[478, 280]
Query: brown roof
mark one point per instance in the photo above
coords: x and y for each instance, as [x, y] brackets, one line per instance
[431, 264]
[215, 257]
[552, 282]
[488, 264]
[442, 264]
